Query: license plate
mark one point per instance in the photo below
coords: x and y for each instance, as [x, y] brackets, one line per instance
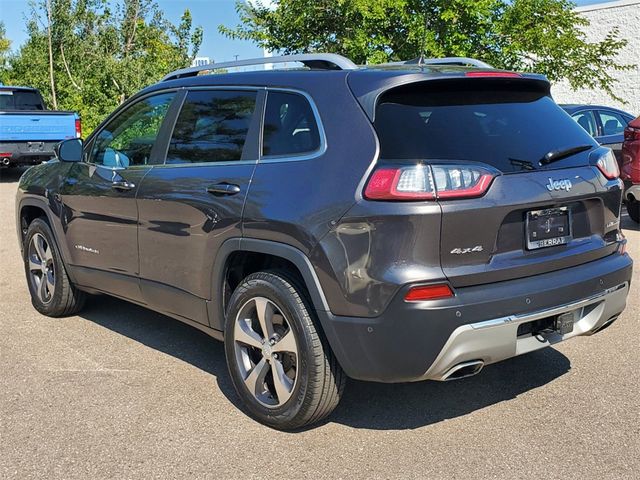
[548, 228]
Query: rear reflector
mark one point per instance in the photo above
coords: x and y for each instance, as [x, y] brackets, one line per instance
[491, 74]
[428, 292]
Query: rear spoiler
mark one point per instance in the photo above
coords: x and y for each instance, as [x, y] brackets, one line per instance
[368, 90]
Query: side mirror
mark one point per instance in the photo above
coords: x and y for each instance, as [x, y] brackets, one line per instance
[69, 150]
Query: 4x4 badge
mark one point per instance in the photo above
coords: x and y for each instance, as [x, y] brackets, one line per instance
[461, 251]
[564, 184]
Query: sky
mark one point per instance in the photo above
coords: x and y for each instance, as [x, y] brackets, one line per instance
[207, 13]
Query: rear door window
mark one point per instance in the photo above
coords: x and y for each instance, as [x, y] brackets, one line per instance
[509, 128]
[212, 126]
[290, 127]
[586, 120]
[612, 123]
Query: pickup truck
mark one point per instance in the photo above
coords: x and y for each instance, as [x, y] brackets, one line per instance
[28, 132]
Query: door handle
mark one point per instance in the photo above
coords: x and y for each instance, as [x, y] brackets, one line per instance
[224, 189]
[123, 186]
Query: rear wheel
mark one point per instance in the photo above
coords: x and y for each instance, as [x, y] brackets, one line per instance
[633, 209]
[52, 293]
[280, 365]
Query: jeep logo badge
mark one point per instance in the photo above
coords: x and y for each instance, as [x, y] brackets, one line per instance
[555, 185]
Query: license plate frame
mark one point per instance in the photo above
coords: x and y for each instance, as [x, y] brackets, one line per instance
[550, 227]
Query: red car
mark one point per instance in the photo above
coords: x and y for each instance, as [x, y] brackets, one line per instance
[631, 168]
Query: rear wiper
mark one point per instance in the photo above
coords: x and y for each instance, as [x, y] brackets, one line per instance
[524, 164]
[555, 155]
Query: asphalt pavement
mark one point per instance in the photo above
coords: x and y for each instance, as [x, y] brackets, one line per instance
[122, 392]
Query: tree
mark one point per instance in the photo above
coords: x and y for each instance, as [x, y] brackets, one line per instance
[101, 52]
[543, 36]
[5, 49]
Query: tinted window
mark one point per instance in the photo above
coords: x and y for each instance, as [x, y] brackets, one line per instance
[289, 126]
[129, 138]
[212, 127]
[587, 121]
[509, 128]
[612, 123]
[20, 100]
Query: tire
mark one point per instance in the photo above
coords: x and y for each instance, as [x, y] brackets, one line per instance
[311, 382]
[633, 209]
[57, 297]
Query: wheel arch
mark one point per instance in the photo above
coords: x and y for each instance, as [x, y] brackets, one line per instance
[284, 255]
[30, 208]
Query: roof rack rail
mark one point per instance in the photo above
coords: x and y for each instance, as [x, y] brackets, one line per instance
[315, 61]
[462, 61]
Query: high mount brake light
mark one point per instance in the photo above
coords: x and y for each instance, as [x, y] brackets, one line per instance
[608, 165]
[492, 74]
[428, 182]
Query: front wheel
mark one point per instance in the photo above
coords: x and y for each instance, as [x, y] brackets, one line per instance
[52, 293]
[280, 365]
[633, 209]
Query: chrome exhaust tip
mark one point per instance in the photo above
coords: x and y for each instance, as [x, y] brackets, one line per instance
[6, 161]
[463, 370]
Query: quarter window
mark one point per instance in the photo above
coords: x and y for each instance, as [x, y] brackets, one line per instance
[290, 127]
[212, 126]
[129, 138]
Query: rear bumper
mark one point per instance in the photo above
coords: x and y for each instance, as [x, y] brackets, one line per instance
[419, 341]
[26, 153]
[495, 340]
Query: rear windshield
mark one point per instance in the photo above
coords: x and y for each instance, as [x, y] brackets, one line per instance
[20, 100]
[510, 129]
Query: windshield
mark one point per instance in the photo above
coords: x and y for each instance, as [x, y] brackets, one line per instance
[510, 129]
[20, 100]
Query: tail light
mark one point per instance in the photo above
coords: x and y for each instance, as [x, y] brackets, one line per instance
[78, 128]
[428, 292]
[428, 182]
[6, 154]
[631, 134]
[608, 165]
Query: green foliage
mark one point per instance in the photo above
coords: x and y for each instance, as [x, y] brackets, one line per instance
[103, 52]
[541, 36]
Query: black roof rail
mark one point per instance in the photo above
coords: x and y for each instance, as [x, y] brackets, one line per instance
[314, 61]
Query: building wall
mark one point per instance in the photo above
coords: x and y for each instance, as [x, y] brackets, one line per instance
[624, 14]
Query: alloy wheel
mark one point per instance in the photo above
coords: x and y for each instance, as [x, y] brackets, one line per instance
[41, 268]
[266, 351]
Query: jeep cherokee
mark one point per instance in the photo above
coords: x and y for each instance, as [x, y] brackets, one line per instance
[392, 224]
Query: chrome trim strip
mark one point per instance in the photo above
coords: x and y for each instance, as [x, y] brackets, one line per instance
[528, 317]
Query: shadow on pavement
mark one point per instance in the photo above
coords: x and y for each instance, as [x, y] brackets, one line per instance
[164, 334]
[364, 405]
[626, 223]
[10, 175]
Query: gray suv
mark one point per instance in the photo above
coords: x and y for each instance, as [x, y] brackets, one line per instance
[408, 222]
